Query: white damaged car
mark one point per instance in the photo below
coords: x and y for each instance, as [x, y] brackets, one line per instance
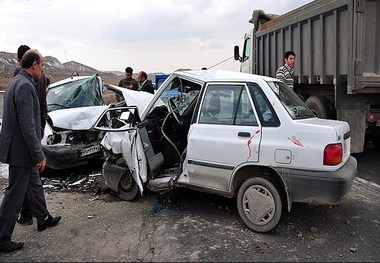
[74, 104]
[237, 135]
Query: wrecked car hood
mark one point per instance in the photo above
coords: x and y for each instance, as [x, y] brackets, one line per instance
[76, 118]
[140, 99]
[83, 118]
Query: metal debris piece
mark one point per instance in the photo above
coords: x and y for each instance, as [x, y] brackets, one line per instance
[93, 199]
[78, 182]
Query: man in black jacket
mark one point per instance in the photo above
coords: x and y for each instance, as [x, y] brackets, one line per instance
[145, 84]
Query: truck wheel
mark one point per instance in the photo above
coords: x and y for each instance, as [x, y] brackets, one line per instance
[259, 204]
[128, 188]
[301, 97]
[321, 106]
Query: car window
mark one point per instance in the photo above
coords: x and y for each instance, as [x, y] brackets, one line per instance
[74, 94]
[227, 104]
[265, 111]
[295, 107]
[111, 96]
[181, 91]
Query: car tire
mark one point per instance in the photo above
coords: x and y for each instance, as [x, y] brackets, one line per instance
[128, 188]
[259, 204]
[321, 106]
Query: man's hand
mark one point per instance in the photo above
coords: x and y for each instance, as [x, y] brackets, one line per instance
[41, 165]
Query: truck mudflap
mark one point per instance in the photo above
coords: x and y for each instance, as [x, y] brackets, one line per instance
[112, 174]
[319, 187]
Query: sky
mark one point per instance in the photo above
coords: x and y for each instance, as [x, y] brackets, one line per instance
[149, 35]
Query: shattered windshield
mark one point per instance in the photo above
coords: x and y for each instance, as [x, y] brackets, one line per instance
[75, 94]
[296, 108]
[181, 91]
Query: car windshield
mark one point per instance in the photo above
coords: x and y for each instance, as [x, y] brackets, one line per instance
[74, 94]
[181, 91]
[293, 104]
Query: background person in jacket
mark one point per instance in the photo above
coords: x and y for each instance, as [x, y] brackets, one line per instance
[129, 82]
[21, 149]
[145, 83]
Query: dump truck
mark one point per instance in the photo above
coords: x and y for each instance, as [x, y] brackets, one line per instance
[337, 71]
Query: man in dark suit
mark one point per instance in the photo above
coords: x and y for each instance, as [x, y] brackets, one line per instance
[25, 216]
[21, 148]
[145, 84]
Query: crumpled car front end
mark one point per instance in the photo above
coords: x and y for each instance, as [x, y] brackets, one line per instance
[73, 107]
[74, 144]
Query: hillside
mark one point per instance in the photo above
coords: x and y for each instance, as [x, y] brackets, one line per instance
[55, 70]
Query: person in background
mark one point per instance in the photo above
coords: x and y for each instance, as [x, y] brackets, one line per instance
[21, 149]
[74, 74]
[25, 216]
[129, 82]
[145, 83]
[285, 72]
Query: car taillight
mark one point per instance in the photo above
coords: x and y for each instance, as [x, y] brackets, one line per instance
[333, 154]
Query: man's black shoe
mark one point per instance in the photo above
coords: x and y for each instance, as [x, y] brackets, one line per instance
[9, 246]
[49, 221]
[25, 219]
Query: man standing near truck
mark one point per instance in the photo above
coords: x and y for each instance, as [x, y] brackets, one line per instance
[285, 72]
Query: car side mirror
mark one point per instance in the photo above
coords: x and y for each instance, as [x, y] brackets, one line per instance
[117, 119]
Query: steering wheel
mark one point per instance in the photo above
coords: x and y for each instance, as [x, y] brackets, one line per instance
[173, 110]
[296, 111]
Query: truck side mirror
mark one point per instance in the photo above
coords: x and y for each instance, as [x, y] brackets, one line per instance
[236, 53]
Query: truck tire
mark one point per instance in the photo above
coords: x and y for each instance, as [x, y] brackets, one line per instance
[321, 106]
[259, 204]
[128, 188]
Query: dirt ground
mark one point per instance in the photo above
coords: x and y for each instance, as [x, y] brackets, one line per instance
[187, 226]
[98, 228]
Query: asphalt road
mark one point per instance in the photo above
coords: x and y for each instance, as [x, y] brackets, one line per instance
[185, 225]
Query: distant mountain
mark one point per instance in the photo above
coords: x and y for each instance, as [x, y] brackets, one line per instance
[55, 70]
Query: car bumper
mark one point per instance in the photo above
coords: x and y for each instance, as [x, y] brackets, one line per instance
[328, 188]
[69, 156]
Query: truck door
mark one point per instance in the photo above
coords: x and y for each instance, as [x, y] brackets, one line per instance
[246, 62]
[225, 135]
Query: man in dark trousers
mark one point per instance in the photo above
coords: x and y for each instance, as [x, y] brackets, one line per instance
[25, 216]
[145, 83]
[21, 149]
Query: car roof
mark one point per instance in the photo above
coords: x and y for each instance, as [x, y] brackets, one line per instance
[221, 75]
[67, 80]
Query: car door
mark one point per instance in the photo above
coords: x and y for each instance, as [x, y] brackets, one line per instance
[226, 134]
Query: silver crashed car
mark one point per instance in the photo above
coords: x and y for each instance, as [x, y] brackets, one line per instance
[74, 105]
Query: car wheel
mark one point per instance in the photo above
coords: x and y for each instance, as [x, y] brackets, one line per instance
[128, 188]
[259, 204]
[321, 106]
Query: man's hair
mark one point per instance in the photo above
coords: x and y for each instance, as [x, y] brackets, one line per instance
[21, 51]
[143, 74]
[30, 56]
[289, 53]
[129, 70]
